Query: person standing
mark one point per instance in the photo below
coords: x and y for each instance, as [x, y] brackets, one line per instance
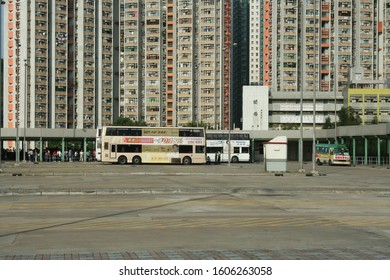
[54, 156]
[59, 155]
[70, 155]
[81, 155]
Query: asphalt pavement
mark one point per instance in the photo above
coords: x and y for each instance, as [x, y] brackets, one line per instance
[94, 178]
[100, 178]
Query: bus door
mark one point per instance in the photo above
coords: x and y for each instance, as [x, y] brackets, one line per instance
[113, 151]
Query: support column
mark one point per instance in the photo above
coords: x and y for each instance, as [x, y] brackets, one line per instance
[354, 151]
[388, 151]
[63, 149]
[40, 149]
[253, 150]
[342, 141]
[85, 150]
[378, 141]
[365, 151]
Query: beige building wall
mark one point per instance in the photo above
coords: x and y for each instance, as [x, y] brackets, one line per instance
[339, 38]
[54, 60]
[171, 62]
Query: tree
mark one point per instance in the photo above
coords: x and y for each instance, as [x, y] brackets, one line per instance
[128, 122]
[328, 124]
[347, 116]
[375, 120]
[290, 126]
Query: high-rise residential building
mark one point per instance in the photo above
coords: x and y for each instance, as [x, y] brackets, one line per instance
[142, 61]
[1, 66]
[197, 62]
[59, 64]
[240, 59]
[81, 64]
[317, 44]
[173, 57]
[172, 62]
[15, 34]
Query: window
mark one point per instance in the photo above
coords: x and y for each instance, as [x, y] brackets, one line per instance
[191, 132]
[185, 149]
[112, 131]
[129, 148]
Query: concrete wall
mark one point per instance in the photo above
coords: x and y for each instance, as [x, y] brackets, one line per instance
[255, 108]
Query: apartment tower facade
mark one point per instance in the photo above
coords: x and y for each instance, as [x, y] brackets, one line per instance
[316, 48]
[59, 64]
[81, 64]
[172, 58]
[319, 45]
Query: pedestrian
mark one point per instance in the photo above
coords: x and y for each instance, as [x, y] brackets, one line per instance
[30, 155]
[59, 155]
[54, 156]
[46, 154]
[81, 155]
[70, 155]
[36, 154]
[219, 157]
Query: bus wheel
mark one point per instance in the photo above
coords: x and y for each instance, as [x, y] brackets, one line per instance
[330, 163]
[186, 160]
[122, 160]
[136, 160]
[234, 159]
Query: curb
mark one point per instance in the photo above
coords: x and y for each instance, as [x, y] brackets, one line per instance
[185, 190]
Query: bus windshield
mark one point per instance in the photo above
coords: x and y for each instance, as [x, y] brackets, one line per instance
[341, 151]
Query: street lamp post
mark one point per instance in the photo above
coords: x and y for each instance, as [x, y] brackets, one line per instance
[301, 89]
[315, 88]
[335, 98]
[17, 98]
[25, 112]
[1, 118]
[230, 102]
[335, 77]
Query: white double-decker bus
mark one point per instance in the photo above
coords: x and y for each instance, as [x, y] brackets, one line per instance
[217, 143]
[177, 145]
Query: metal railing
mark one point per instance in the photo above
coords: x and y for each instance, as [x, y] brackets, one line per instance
[372, 160]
